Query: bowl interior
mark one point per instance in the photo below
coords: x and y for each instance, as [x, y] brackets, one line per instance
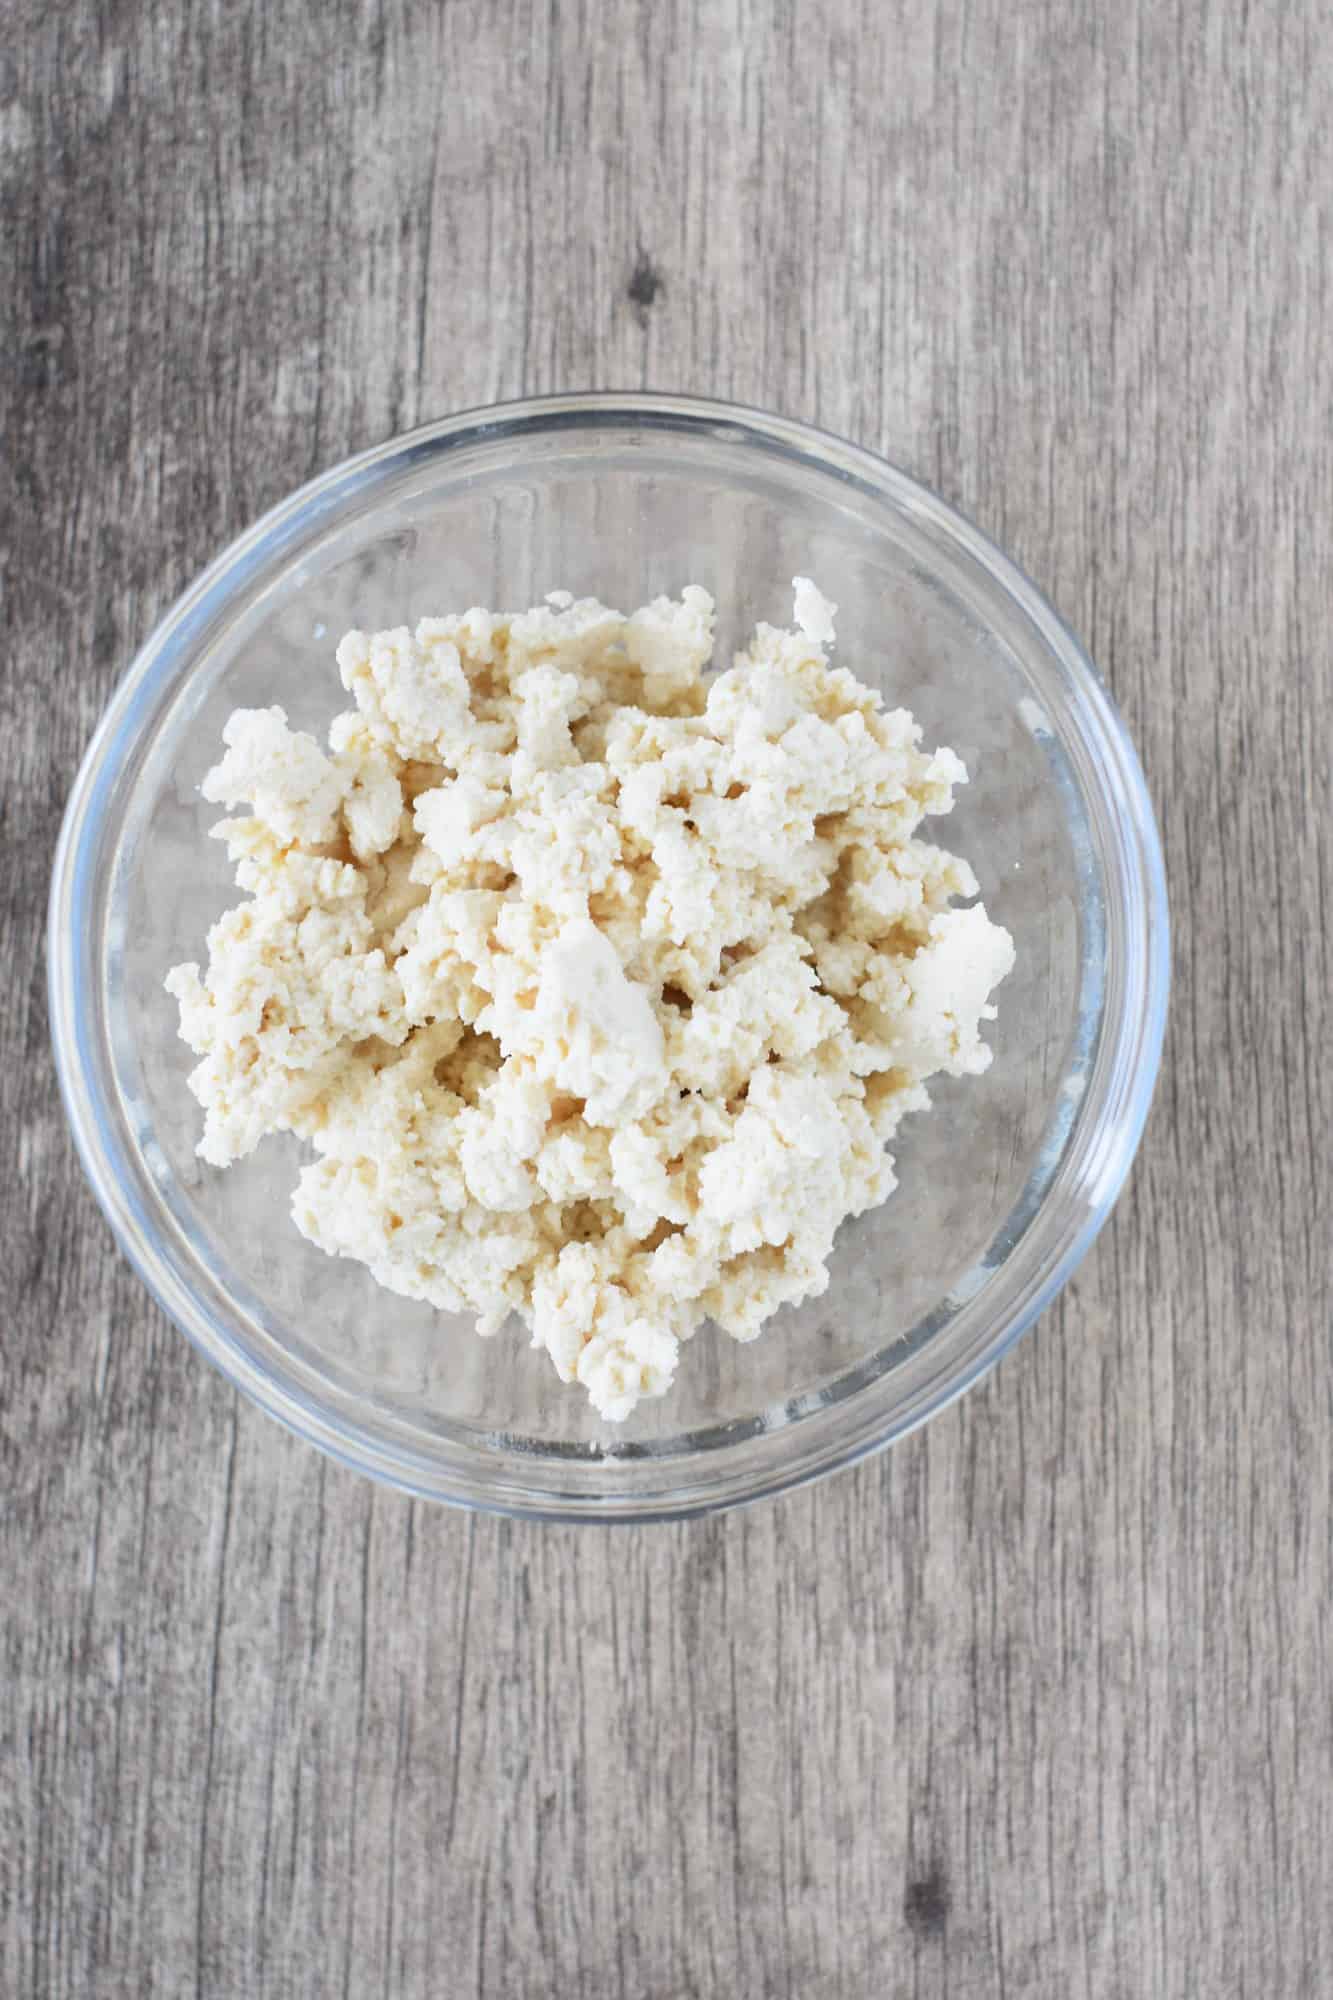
[623, 511]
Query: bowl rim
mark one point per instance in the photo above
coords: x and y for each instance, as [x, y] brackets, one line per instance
[1130, 1062]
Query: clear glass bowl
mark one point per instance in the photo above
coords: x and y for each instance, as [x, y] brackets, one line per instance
[1003, 1184]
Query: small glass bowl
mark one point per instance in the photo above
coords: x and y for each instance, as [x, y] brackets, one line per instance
[1004, 1183]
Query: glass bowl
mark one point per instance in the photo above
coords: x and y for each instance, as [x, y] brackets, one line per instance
[1004, 1183]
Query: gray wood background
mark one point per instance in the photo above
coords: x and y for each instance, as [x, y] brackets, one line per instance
[1041, 1703]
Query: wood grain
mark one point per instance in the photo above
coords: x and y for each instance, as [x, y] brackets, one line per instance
[1041, 1703]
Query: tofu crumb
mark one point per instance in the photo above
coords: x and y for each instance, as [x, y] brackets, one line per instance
[814, 612]
[597, 985]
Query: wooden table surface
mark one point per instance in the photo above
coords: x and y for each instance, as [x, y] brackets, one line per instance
[1041, 1702]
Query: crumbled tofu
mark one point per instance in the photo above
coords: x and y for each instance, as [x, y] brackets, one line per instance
[598, 986]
